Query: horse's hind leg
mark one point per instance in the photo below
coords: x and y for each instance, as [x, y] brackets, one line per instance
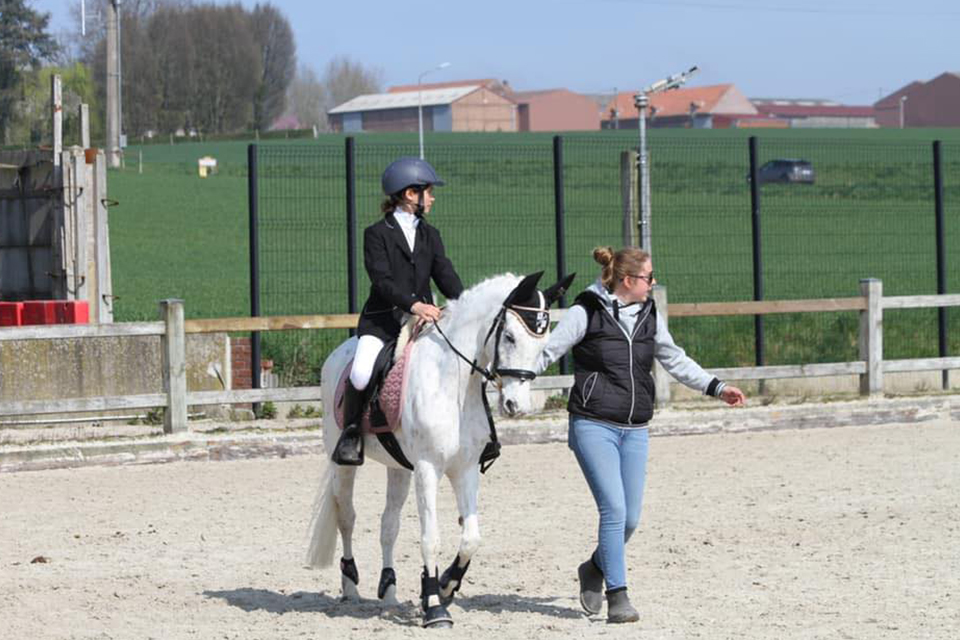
[343, 481]
[435, 614]
[465, 485]
[398, 486]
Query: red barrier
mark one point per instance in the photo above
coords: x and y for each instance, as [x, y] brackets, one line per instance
[72, 312]
[11, 314]
[40, 312]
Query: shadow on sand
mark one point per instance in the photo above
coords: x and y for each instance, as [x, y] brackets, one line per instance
[406, 613]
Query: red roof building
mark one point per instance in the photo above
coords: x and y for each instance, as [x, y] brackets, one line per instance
[717, 106]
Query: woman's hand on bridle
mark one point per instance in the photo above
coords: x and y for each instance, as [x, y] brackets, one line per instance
[426, 312]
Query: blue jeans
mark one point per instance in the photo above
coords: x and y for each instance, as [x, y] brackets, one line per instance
[614, 462]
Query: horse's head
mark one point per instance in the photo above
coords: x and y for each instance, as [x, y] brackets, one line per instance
[520, 333]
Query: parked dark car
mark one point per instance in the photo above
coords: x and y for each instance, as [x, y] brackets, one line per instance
[785, 171]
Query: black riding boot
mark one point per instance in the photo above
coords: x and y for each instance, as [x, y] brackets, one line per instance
[349, 449]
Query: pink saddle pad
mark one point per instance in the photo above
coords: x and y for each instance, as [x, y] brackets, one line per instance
[391, 395]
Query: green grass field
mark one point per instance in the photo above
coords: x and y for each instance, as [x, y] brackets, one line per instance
[870, 214]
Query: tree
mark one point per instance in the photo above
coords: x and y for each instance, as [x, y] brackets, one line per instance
[24, 45]
[227, 67]
[77, 88]
[307, 99]
[95, 29]
[345, 79]
[278, 63]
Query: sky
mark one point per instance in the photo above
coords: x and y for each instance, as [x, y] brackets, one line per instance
[850, 51]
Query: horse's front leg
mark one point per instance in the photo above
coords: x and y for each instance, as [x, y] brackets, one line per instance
[435, 614]
[343, 481]
[398, 486]
[466, 484]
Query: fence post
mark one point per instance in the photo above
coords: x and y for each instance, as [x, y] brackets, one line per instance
[559, 206]
[174, 366]
[941, 258]
[758, 337]
[661, 379]
[628, 197]
[253, 204]
[871, 337]
[84, 126]
[349, 157]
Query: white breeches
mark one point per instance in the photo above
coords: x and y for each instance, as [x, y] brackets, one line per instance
[367, 351]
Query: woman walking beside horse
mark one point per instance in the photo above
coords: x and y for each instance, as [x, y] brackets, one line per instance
[615, 333]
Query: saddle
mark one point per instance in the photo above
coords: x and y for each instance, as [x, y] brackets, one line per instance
[383, 397]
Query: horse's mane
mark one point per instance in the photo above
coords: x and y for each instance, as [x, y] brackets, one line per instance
[477, 301]
[482, 299]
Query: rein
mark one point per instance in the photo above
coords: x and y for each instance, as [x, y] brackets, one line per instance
[493, 374]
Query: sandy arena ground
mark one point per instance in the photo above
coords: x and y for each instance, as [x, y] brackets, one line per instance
[831, 533]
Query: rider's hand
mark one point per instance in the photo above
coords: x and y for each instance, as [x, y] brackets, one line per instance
[733, 396]
[426, 312]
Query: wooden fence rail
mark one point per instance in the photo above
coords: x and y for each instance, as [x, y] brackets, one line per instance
[175, 398]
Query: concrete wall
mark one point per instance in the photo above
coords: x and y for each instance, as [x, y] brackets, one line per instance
[92, 367]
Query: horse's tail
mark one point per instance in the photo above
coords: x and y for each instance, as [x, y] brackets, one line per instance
[323, 526]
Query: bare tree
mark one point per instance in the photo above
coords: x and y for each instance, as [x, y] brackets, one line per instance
[345, 79]
[94, 26]
[307, 98]
[278, 63]
[227, 66]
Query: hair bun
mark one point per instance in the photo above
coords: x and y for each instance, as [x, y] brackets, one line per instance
[603, 255]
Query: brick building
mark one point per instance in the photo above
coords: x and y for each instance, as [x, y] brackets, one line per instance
[935, 103]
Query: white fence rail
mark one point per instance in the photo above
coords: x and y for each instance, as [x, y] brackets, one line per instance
[176, 398]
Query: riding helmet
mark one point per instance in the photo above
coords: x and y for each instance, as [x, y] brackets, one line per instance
[408, 172]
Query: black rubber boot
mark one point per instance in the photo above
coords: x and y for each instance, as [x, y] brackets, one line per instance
[349, 449]
[619, 608]
[591, 586]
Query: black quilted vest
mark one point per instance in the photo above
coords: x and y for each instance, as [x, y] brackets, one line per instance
[612, 371]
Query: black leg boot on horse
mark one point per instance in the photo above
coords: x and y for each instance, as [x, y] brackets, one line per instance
[349, 449]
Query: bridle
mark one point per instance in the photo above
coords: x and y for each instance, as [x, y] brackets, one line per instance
[536, 321]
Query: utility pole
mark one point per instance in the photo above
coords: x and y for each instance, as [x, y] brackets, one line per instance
[113, 149]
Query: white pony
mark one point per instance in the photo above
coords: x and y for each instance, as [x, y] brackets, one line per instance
[501, 325]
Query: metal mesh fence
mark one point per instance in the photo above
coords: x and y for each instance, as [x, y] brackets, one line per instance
[302, 241]
[701, 240]
[869, 213]
[495, 212]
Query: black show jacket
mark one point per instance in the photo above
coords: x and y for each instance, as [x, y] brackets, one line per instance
[398, 278]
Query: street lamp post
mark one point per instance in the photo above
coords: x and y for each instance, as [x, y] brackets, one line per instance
[442, 65]
[642, 101]
[902, 100]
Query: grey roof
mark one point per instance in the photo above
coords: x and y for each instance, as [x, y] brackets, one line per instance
[381, 101]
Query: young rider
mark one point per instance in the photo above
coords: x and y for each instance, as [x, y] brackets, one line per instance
[402, 253]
